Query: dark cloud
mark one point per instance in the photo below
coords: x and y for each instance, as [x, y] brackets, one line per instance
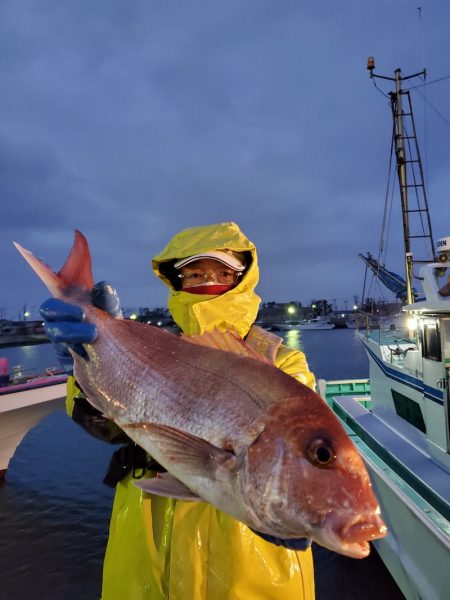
[133, 120]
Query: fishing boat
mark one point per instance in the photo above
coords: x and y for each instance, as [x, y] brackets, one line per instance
[307, 324]
[21, 333]
[321, 322]
[280, 326]
[25, 399]
[400, 417]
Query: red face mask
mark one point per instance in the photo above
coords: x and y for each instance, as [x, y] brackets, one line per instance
[209, 287]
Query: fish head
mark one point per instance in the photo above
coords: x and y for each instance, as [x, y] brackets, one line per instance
[306, 478]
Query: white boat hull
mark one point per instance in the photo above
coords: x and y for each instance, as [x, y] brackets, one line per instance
[414, 496]
[314, 326]
[21, 411]
[415, 551]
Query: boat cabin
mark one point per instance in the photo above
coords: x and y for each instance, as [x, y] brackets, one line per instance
[410, 374]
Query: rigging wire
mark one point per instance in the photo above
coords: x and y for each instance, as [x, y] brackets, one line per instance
[446, 121]
[382, 249]
[425, 129]
[422, 44]
[372, 286]
[428, 83]
[391, 205]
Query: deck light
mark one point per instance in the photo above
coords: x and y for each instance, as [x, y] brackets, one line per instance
[412, 324]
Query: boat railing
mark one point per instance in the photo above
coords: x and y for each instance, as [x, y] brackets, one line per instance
[394, 344]
[372, 322]
[398, 354]
[19, 374]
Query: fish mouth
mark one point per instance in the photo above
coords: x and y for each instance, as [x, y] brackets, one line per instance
[350, 536]
[355, 550]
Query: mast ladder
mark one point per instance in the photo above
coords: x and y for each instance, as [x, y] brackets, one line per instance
[416, 220]
[415, 210]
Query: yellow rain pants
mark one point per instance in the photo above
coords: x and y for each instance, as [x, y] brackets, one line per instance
[166, 549]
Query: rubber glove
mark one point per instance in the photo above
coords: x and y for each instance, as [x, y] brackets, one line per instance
[291, 544]
[65, 326]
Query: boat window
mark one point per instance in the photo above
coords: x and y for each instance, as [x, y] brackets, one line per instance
[409, 410]
[431, 342]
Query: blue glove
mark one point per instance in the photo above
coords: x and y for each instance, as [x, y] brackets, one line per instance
[105, 297]
[291, 544]
[65, 326]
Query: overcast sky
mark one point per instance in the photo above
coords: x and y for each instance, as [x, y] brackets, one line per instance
[131, 120]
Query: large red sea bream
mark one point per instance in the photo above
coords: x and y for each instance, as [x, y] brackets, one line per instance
[230, 428]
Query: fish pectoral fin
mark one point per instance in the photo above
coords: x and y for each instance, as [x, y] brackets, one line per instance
[181, 448]
[227, 341]
[168, 486]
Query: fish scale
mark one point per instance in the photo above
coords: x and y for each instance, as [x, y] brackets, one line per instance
[142, 400]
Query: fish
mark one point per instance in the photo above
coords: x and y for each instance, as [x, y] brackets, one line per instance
[230, 428]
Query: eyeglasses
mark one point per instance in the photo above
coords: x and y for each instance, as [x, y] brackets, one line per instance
[198, 277]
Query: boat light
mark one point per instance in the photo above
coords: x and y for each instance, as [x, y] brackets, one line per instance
[133, 317]
[412, 324]
[370, 63]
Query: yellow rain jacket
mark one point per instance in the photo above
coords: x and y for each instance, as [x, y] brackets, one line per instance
[165, 549]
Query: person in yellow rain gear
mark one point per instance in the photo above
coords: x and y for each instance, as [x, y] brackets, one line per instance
[162, 548]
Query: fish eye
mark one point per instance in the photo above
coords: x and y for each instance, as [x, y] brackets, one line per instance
[320, 453]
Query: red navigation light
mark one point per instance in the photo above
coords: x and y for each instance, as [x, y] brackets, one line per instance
[370, 63]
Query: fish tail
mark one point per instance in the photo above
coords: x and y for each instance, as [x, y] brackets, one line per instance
[76, 272]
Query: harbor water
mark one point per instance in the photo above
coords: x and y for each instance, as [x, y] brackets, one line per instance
[55, 510]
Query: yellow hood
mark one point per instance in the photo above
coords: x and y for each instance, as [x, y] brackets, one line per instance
[195, 313]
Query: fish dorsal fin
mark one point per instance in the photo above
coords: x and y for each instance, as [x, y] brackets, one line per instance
[228, 341]
[76, 272]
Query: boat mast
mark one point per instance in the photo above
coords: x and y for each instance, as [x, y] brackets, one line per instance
[409, 168]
